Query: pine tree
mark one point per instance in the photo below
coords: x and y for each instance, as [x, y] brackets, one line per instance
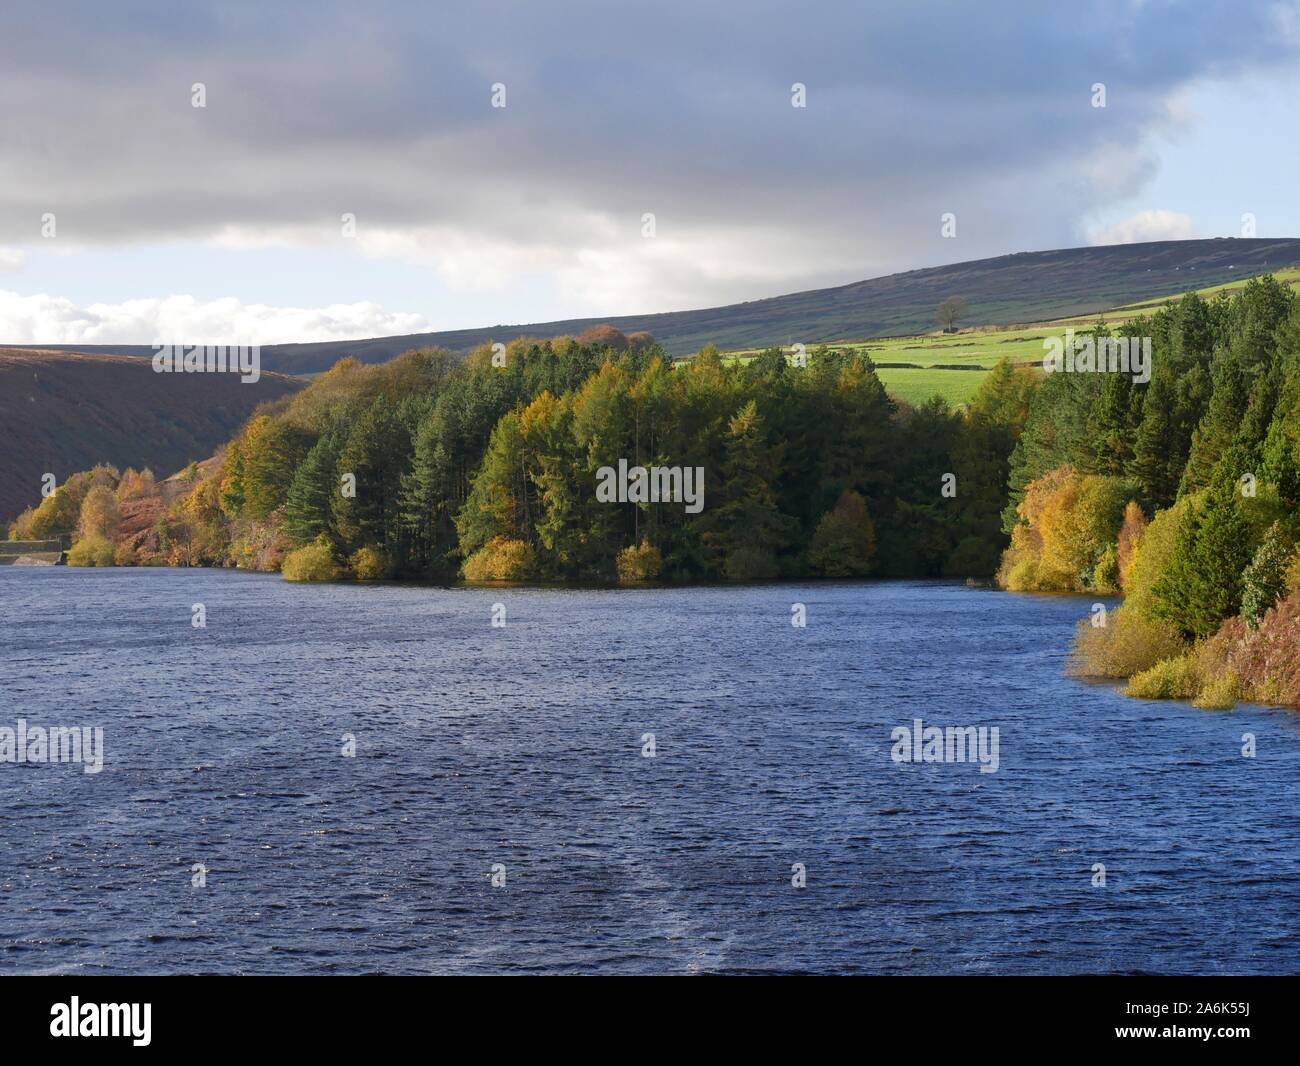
[1203, 584]
[1265, 579]
[747, 527]
[376, 454]
[308, 507]
[1218, 428]
[1154, 450]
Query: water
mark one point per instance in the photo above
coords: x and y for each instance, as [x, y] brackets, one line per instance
[522, 746]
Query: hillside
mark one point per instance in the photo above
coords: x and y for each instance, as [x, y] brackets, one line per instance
[66, 411]
[952, 365]
[1020, 288]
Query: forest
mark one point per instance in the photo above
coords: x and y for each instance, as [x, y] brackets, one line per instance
[431, 468]
[1178, 493]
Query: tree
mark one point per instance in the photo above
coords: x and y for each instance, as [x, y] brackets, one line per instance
[377, 453]
[1155, 462]
[1265, 579]
[308, 506]
[844, 544]
[952, 309]
[271, 449]
[99, 516]
[1202, 584]
[1218, 428]
[747, 527]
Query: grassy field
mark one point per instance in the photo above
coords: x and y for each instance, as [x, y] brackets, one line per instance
[930, 353]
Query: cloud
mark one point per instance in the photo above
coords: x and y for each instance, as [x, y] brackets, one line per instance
[183, 319]
[11, 260]
[1158, 225]
[663, 106]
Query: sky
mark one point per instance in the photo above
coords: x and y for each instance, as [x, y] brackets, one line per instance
[353, 173]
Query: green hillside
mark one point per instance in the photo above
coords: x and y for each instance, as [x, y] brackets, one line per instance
[1024, 287]
[935, 356]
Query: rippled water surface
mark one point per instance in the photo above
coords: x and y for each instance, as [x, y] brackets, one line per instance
[522, 746]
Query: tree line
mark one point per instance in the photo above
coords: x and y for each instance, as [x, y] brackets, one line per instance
[434, 468]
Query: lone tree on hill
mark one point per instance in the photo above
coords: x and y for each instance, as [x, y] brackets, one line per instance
[950, 311]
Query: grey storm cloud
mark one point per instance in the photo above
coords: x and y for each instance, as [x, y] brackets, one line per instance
[681, 109]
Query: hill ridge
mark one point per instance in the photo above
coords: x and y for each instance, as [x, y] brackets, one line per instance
[1016, 288]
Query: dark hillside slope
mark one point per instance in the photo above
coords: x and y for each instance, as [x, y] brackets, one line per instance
[61, 412]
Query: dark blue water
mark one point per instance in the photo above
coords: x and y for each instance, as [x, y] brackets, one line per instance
[522, 746]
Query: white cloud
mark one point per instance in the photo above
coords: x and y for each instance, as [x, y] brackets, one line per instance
[1156, 225]
[43, 319]
[11, 260]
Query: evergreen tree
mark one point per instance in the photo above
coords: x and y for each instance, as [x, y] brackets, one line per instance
[747, 528]
[377, 453]
[1203, 583]
[1154, 463]
[1218, 428]
[308, 507]
[1265, 579]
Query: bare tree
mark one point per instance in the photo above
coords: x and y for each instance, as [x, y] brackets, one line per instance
[950, 311]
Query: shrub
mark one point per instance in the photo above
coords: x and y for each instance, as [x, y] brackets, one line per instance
[750, 564]
[972, 557]
[1267, 659]
[315, 562]
[1128, 644]
[639, 563]
[91, 551]
[1105, 576]
[1170, 679]
[1022, 577]
[370, 564]
[125, 555]
[1220, 693]
[501, 559]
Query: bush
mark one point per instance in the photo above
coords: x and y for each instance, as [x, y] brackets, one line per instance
[1170, 679]
[501, 559]
[1128, 644]
[1219, 693]
[972, 557]
[371, 564]
[315, 562]
[1267, 659]
[91, 551]
[750, 564]
[1105, 576]
[639, 563]
[125, 555]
